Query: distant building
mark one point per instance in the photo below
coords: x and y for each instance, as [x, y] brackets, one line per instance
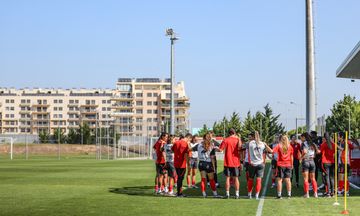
[137, 107]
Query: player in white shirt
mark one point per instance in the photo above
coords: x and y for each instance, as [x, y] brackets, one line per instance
[256, 157]
[169, 165]
[193, 161]
[206, 152]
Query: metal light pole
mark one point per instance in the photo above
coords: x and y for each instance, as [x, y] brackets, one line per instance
[170, 33]
[349, 109]
[310, 70]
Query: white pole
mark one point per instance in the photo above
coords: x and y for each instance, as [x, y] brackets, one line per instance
[11, 148]
[310, 70]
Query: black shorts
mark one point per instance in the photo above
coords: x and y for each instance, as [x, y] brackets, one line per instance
[193, 163]
[170, 169]
[283, 172]
[246, 166]
[342, 168]
[180, 172]
[231, 171]
[206, 167]
[256, 171]
[308, 166]
[160, 169]
[273, 164]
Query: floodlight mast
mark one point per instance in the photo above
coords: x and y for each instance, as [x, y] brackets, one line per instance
[170, 33]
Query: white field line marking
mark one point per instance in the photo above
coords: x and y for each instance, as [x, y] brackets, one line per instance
[354, 186]
[262, 199]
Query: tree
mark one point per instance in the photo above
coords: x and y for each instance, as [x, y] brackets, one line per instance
[44, 136]
[73, 136]
[59, 135]
[203, 131]
[339, 118]
[85, 133]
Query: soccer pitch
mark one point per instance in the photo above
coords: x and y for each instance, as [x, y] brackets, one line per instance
[90, 187]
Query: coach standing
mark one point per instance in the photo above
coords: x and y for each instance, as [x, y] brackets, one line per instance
[181, 149]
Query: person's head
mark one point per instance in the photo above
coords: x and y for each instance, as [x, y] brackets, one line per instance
[327, 139]
[188, 137]
[257, 136]
[232, 132]
[171, 139]
[293, 138]
[207, 141]
[211, 133]
[305, 137]
[313, 134]
[164, 136]
[194, 139]
[341, 136]
[251, 136]
[284, 143]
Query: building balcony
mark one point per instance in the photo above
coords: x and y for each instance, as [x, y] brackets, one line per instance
[24, 111]
[24, 105]
[121, 114]
[34, 112]
[24, 126]
[176, 99]
[40, 126]
[73, 111]
[89, 112]
[89, 105]
[73, 105]
[40, 105]
[88, 119]
[122, 98]
[9, 126]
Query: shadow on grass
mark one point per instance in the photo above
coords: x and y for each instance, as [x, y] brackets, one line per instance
[135, 190]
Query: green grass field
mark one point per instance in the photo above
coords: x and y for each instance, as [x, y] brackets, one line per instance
[90, 187]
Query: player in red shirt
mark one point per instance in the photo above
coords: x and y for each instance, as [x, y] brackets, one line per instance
[232, 146]
[181, 149]
[284, 164]
[296, 155]
[341, 147]
[327, 149]
[160, 162]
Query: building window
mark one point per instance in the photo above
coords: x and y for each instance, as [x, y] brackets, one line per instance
[60, 115]
[155, 103]
[155, 119]
[149, 94]
[104, 116]
[103, 109]
[155, 94]
[104, 101]
[149, 120]
[12, 101]
[139, 103]
[23, 101]
[140, 95]
[60, 108]
[149, 103]
[155, 128]
[109, 109]
[55, 116]
[7, 101]
[149, 111]
[139, 119]
[149, 128]
[155, 111]
[71, 101]
[55, 108]
[124, 87]
[60, 101]
[55, 101]
[139, 111]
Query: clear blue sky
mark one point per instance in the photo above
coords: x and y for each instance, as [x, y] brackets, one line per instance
[232, 55]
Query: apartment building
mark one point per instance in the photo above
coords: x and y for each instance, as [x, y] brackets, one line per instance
[137, 107]
[142, 106]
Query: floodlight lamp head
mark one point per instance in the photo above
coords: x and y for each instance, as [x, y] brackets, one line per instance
[169, 32]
